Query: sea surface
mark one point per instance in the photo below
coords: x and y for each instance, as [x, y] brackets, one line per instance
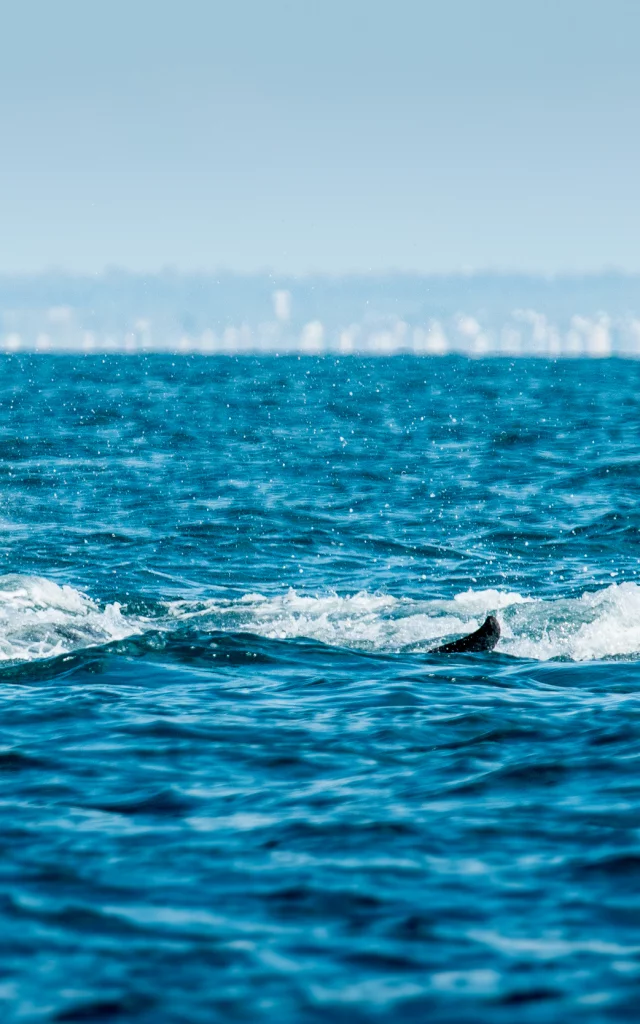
[234, 784]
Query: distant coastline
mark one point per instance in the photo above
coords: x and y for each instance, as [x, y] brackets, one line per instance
[476, 314]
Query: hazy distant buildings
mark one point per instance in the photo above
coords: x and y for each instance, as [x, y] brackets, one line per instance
[477, 315]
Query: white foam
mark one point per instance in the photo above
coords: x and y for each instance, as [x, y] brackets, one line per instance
[602, 624]
[39, 619]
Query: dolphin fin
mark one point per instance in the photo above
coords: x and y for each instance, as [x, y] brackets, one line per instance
[484, 639]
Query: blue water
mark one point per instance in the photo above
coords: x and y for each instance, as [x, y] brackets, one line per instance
[235, 785]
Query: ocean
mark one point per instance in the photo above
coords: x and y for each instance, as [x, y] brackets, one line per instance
[236, 786]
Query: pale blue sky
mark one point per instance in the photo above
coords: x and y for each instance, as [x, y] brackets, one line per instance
[329, 135]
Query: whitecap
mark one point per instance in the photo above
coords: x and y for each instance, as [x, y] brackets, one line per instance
[40, 619]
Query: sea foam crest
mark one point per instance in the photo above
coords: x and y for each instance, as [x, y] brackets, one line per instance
[39, 619]
[600, 624]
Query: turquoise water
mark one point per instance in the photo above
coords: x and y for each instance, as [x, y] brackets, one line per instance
[235, 784]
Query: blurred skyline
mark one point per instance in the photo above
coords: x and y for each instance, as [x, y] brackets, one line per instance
[320, 136]
[595, 315]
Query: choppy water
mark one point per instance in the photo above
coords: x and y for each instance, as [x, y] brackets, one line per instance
[235, 785]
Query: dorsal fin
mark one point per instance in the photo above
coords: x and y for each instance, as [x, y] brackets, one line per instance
[483, 639]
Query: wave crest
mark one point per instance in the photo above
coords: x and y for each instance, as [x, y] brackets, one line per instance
[40, 619]
[601, 624]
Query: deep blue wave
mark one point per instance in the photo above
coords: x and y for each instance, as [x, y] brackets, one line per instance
[235, 783]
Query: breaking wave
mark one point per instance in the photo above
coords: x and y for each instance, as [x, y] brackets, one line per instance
[40, 619]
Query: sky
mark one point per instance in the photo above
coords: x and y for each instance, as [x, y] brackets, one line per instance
[320, 135]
